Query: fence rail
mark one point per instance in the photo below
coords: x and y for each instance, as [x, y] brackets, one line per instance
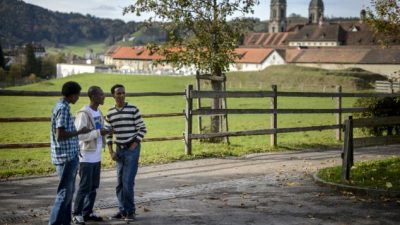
[387, 86]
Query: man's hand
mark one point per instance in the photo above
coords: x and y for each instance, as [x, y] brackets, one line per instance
[114, 156]
[106, 131]
[133, 146]
[84, 130]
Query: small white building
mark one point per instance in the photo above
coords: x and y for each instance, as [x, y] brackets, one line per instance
[256, 59]
[65, 70]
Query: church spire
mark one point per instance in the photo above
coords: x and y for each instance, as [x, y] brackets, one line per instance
[315, 11]
[277, 22]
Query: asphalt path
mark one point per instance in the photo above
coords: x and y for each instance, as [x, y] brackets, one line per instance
[270, 188]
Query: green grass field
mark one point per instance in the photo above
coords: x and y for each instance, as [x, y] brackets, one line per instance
[80, 48]
[14, 162]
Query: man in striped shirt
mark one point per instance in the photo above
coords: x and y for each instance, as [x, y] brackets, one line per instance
[128, 131]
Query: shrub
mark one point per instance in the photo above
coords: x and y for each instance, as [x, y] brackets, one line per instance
[379, 107]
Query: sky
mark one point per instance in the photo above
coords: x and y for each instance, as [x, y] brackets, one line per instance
[113, 8]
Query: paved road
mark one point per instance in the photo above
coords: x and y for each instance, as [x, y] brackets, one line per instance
[272, 188]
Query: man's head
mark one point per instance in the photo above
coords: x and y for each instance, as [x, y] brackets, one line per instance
[71, 91]
[96, 95]
[118, 93]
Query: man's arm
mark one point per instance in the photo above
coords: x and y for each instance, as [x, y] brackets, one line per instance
[62, 134]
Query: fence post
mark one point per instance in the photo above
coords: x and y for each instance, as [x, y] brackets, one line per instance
[339, 114]
[274, 116]
[347, 154]
[188, 116]
[199, 118]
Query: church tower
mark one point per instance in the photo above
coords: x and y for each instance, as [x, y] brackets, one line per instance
[277, 21]
[315, 11]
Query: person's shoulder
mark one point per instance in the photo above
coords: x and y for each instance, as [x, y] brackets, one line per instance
[130, 106]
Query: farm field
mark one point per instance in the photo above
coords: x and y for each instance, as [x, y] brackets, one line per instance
[14, 162]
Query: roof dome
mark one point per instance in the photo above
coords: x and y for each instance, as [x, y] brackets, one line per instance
[317, 3]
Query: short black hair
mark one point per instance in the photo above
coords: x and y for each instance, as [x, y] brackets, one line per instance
[116, 86]
[93, 90]
[70, 88]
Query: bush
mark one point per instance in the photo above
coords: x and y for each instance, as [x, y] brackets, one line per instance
[379, 107]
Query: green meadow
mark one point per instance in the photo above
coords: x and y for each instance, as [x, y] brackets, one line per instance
[21, 162]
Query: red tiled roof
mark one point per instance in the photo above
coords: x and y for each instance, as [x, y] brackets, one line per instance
[252, 55]
[266, 39]
[137, 53]
[247, 55]
[344, 55]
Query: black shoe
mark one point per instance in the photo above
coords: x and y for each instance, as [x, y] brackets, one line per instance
[93, 217]
[130, 217]
[117, 216]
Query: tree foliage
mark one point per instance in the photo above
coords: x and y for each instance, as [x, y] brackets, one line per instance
[198, 32]
[32, 65]
[384, 18]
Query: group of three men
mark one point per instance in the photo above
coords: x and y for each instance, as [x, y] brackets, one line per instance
[77, 145]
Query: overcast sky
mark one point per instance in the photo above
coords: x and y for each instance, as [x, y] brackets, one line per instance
[113, 8]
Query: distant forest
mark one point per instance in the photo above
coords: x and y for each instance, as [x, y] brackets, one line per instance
[24, 23]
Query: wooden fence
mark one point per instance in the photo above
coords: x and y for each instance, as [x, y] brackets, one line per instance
[350, 142]
[274, 111]
[56, 94]
[387, 86]
[189, 112]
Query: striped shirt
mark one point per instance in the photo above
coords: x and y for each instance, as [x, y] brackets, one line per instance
[67, 149]
[127, 124]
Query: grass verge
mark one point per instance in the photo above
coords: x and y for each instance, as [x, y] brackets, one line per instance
[376, 174]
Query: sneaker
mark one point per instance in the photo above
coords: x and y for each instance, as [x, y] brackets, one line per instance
[78, 220]
[118, 216]
[93, 217]
[130, 217]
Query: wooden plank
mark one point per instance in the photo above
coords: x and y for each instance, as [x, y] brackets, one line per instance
[339, 114]
[263, 131]
[188, 115]
[375, 141]
[274, 116]
[43, 145]
[57, 93]
[379, 121]
[348, 149]
[163, 139]
[25, 119]
[162, 115]
[231, 94]
[334, 94]
[279, 111]
[48, 119]
[26, 145]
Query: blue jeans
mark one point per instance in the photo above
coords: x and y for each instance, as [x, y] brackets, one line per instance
[127, 167]
[89, 182]
[61, 211]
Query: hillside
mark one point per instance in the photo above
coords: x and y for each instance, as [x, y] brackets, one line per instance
[22, 22]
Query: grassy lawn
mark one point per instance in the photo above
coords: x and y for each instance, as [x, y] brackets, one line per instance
[15, 162]
[379, 174]
[80, 48]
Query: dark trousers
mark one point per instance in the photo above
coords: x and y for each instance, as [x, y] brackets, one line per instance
[61, 211]
[89, 182]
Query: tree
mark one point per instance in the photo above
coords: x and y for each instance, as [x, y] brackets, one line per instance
[32, 65]
[198, 34]
[384, 18]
